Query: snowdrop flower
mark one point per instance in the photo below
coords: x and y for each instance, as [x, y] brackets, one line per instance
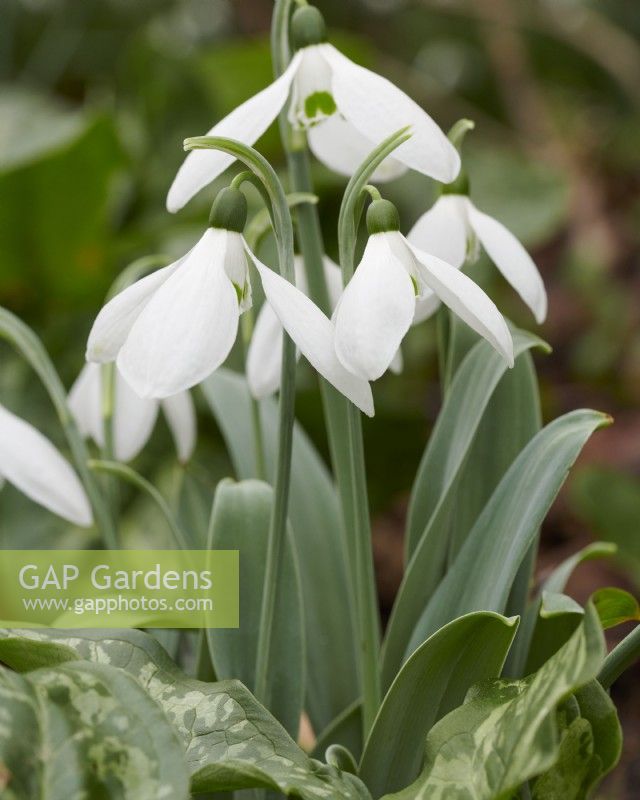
[133, 417]
[264, 357]
[393, 282]
[452, 229]
[172, 329]
[33, 465]
[346, 109]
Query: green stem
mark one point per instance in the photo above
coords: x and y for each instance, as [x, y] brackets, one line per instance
[342, 419]
[128, 474]
[283, 230]
[246, 327]
[31, 348]
[620, 658]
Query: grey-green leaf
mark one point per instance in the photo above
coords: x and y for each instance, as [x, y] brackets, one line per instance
[446, 461]
[430, 684]
[240, 520]
[506, 732]
[482, 575]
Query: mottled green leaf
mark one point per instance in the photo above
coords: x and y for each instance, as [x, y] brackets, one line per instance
[85, 730]
[591, 741]
[230, 740]
[506, 733]
[433, 681]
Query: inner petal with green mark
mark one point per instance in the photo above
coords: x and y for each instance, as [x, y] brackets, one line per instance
[312, 99]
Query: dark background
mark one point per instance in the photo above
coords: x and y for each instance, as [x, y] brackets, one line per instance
[97, 95]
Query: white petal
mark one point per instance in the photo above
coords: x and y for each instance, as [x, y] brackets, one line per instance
[85, 403]
[115, 320]
[33, 465]
[264, 358]
[313, 333]
[313, 78]
[377, 108]
[342, 148]
[467, 300]
[181, 417]
[246, 124]
[442, 231]
[376, 310]
[512, 260]
[426, 306]
[134, 418]
[333, 277]
[189, 326]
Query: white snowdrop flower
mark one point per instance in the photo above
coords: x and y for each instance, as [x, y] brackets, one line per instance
[452, 229]
[33, 465]
[264, 357]
[172, 329]
[133, 417]
[393, 283]
[346, 109]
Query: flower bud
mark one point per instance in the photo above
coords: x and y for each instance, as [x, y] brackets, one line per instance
[382, 216]
[307, 27]
[229, 210]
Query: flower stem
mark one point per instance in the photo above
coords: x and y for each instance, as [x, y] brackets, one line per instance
[32, 350]
[341, 418]
[283, 229]
[246, 328]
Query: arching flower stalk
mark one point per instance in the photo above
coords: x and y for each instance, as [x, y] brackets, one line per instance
[30, 462]
[394, 281]
[134, 417]
[345, 109]
[172, 329]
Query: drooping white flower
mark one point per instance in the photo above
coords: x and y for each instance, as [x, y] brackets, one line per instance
[394, 282]
[133, 417]
[264, 357]
[451, 230]
[33, 465]
[346, 109]
[172, 329]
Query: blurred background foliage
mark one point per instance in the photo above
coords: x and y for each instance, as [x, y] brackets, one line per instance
[96, 97]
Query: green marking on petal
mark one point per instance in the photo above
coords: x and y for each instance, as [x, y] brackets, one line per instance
[319, 105]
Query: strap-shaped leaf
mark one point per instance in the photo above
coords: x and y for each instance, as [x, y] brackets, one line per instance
[240, 520]
[433, 499]
[230, 740]
[430, 684]
[86, 730]
[323, 557]
[506, 731]
[482, 575]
